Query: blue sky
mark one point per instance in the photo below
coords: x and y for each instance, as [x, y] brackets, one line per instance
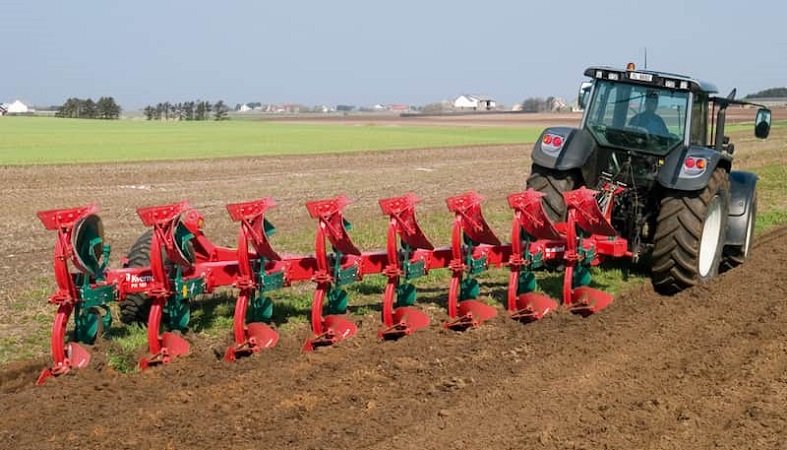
[363, 52]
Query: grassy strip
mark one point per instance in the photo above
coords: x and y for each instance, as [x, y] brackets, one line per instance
[32, 140]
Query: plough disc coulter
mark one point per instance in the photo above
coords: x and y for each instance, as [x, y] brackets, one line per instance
[184, 263]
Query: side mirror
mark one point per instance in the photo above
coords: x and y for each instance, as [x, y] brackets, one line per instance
[584, 92]
[762, 124]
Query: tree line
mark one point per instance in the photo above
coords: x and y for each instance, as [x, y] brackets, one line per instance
[77, 108]
[196, 110]
[779, 92]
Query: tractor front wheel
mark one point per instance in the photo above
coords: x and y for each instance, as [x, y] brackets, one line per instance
[690, 235]
[553, 183]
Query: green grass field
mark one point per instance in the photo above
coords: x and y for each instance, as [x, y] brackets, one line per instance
[37, 140]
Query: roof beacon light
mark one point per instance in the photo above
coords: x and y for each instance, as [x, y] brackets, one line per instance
[630, 66]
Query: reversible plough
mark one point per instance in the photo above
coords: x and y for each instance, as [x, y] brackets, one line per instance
[183, 263]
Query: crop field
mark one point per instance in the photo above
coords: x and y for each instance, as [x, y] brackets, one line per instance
[706, 368]
[53, 141]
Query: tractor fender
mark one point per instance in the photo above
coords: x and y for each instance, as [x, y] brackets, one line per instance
[563, 148]
[743, 186]
[681, 169]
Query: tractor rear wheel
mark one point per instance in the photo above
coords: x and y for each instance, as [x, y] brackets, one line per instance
[135, 308]
[690, 233]
[553, 183]
[733, 255]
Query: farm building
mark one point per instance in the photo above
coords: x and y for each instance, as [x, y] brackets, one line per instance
[474, 102]
[17, 108]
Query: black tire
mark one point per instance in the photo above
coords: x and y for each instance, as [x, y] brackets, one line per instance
[135, 308]
[690, 233]
[553, 183]
[735, 255]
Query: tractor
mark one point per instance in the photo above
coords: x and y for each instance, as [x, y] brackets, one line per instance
[653, 147]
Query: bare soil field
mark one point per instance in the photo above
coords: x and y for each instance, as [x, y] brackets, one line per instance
[704, 369]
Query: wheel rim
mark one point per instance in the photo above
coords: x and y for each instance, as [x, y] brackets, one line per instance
[711, 233]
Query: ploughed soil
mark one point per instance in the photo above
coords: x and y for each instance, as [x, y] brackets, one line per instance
[706, 368]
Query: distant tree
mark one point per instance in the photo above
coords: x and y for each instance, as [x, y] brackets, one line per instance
[150, 112]
[188, 110]
[88, 110]
[70, 109]
[199, 110]
[433, 108]
[532, 104]
[345, 108]
[75, 108]
[779, 92]
[106, 108]
[220, 111]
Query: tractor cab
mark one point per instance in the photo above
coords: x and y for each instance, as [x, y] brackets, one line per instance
[653, 112]
[644, 116]
[637, 116]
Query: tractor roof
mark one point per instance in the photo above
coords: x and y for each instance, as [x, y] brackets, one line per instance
[651, 77]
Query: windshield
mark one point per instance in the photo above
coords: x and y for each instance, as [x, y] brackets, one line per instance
[637, 117]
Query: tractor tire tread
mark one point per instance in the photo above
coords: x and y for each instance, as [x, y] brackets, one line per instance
[679, 229]
[135, 308]
[553, 183]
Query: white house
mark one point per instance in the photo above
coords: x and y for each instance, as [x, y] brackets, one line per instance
[245, 108]
[474, 102]
[17, 108]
